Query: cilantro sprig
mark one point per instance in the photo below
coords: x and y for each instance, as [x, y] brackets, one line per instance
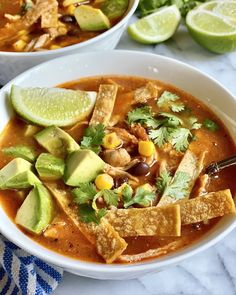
[144, 116]
[142, 197]
[93, 137]
[163, 181]
[178, 187]
[210, 125]
[86, 196]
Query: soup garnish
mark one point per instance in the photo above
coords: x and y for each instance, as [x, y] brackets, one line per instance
[38, 25]
[123, 181]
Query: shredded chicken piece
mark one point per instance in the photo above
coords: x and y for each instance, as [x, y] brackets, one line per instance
[53, 230]
[41, 41]
[117, 158]
[124, 135]
[152, 159]
[139, 131]
[132, 163]
[12, 18]
[115, 171]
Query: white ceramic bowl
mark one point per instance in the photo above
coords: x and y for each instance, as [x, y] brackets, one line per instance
[123, 63]
[14, 63]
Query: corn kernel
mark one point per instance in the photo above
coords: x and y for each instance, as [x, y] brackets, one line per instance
[22, 33]
[111, 141]
[104, 181]
[146, 148]
[25, 38]
[70, 9]
[19, 45]
[52, 47]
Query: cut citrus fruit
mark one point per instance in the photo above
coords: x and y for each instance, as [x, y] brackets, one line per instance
[156, 27]
[227, 9]
[213, 31]
[52, 106]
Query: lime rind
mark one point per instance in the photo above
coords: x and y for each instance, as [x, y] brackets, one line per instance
[156, 27]
[52, 106]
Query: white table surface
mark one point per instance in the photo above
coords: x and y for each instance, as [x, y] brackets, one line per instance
[212, 272]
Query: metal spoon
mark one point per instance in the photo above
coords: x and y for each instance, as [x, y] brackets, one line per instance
[215, 167]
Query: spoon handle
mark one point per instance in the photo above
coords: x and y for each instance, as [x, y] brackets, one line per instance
[218, 166]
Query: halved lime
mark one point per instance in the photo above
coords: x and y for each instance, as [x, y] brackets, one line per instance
[156, 27]
[52, 106]
[227, 9]
[211, 30]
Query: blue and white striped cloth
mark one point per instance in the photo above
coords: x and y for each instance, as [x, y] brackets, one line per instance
[24, 274]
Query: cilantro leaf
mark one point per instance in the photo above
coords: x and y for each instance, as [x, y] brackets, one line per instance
[178, 188]
[193, 123]
[110, 197]
[127, 193]
[84, 193]
[170, 120]
[143, 116]
[166, 98]
[93, 137]
[177, 107]
[88, 214]
[210, 125]
[161, 136]
[142, 197]
[163, 181]
[179, 138]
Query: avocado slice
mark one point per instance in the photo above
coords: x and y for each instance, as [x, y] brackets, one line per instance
[56, 141]
[17, 174]
[50, 167]
[114, 8]
[82, 166]
[91, 19]
[21, 151]
[36, 212]
[30, 130]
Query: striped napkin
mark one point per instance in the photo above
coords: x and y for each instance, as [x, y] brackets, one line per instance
[24, 274]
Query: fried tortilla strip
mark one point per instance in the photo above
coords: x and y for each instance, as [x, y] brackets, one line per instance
[189, 169]
[151, 253]
[143, 94]
[104, 104]
[212, 205]
[49, 19]
[9, 32]
[152, 221]
[108, 242]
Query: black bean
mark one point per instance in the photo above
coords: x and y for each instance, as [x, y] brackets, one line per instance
[140, 169]
[66, 18]
[197, 226]
[118, 181]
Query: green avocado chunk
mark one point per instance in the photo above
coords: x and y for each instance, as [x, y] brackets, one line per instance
[56, 141]
[50, 167]
[82, 166]
[21, 151]
[91, 19]
[36, 212]
[17, 175]
[114, 8]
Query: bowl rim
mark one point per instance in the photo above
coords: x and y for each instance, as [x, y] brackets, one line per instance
[77, 265]
[80, 45]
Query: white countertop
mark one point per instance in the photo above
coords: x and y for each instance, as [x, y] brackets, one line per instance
[211, 272]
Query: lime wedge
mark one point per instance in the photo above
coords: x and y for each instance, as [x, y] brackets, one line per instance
[213, 31]
[52, 106]
[156, 27]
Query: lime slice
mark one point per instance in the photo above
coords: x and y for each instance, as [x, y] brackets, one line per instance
[213, 31]
[156, 27]
[52, 106]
